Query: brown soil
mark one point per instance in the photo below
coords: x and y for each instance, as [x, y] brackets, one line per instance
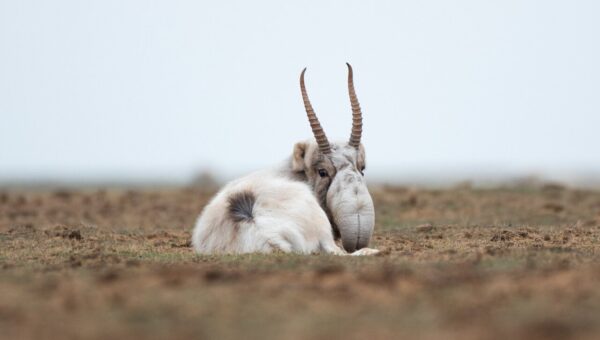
[459, 263]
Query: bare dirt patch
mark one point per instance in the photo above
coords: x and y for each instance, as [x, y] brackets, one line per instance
[459, 263]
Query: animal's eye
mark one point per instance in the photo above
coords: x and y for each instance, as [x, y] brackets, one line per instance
[362, 170]
[323, 173]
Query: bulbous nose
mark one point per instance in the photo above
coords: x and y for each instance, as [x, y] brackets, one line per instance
[352, 210]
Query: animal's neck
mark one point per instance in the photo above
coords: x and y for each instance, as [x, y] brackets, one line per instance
[286, 170]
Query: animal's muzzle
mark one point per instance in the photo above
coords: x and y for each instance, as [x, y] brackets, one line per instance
[356, 230]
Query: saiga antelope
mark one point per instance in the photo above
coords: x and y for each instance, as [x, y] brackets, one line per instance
[315, 197]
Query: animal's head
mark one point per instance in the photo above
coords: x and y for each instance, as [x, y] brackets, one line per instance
[336, 173]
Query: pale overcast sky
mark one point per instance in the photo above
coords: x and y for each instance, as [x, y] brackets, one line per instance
[158, 90]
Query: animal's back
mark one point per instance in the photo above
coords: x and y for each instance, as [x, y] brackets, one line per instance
[259, 213]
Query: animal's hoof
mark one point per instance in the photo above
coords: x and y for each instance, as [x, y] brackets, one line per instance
[365, 252]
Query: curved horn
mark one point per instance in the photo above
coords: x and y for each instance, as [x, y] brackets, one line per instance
[356, 112]
[313, 120]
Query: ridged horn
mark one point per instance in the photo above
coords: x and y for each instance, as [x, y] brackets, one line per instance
[317, 130]
[356, 112]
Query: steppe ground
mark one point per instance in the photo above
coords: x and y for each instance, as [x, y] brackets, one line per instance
[517, 262]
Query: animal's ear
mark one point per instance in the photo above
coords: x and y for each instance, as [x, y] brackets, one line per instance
[361, 154]
[298, 156]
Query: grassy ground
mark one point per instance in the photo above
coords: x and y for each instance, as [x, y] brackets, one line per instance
[462, 263]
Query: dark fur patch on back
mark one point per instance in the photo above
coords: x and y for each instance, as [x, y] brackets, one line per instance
[241, 206]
